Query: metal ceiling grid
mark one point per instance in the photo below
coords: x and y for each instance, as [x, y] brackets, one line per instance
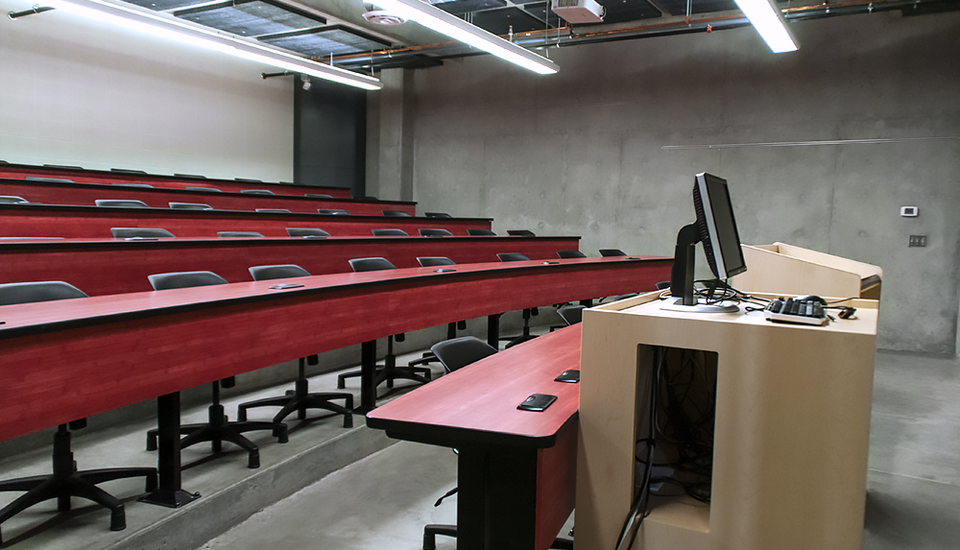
[323, 41]
[249, 18]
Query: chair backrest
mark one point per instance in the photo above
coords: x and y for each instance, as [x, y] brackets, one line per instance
[306, 232]
[521, 233]
[273, 210]
[38, 291]
[612, 252]
[437, 215]
[266, 272]
[389, 232]
[512, 257]
[571, 254]
[138, 185]
[190, 206]
[239, 234]
[571, 314]
[371, 264]
[121, 203]
[256, 191]
[318, 195]
[12, 199]
[51, 180]
[333, 211]
[431, 232]
[480, 232]
[197, 188]
[396, 213]
[184, 279]
[460, 352]
[431, 261]
[134, 232]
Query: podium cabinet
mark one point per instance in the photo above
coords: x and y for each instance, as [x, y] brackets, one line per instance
[790, 438]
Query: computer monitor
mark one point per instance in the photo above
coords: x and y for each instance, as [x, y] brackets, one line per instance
[716, 228]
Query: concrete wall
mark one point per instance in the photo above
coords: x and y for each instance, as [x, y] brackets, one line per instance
[81, 92]
[608, 148]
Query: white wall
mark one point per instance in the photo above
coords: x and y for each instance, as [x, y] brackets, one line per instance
[74, 91]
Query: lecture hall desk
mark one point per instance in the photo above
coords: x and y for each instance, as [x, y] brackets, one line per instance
[85, 194]
[516, 469]
[81, 175]
[104, 352]
[117, 266]
[92, 222]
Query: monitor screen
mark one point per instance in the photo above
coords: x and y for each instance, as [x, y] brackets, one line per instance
[717, 226]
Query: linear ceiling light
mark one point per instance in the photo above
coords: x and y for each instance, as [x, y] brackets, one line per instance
[769, 22]
[456, 28]
[160, 24]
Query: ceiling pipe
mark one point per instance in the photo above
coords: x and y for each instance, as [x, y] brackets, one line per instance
[568, 36]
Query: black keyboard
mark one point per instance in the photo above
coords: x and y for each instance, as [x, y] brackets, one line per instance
[790, 310]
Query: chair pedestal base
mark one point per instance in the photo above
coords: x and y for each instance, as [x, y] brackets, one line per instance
[66, 482]
[300, 399]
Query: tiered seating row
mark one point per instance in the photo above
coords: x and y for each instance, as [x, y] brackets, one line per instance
[81, 175]
[118, 266]
[84, 194]
[95, 222]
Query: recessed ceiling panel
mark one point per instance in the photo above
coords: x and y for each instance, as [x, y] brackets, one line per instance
[500, 21]
[466, 6]
[679, 7]
[252, 18]
[162, 5]
[321, 42]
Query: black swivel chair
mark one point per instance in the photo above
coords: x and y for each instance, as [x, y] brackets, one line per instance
[300, 399]
[256, 191]
[307, 232]
[480, 232]
[521, 233]
[273, 210]
[437, 215]
[48, 180]
[390, 370]
[137, 185]
[121, 203]
[571, 314]
[217, 429]
[396, 213]
[571, 254]
[65, 481]
[140, 233]
[317, 196]
[612, 252]
[389, 233]
[239, 234]
[333, 211]
[528, 312]
[12, 199]
[196, 188]
[189, 206]
[430, 232]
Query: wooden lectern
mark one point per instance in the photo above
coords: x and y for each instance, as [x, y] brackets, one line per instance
[791, 431]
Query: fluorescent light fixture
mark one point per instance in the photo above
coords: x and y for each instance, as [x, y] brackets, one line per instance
[456, 28]
[769, 22]
[148, 21]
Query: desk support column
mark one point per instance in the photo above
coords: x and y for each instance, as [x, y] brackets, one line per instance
[493, 330]
[368, 377]
[496, 501]
[169, 492]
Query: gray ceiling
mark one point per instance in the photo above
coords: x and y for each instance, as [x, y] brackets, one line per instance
[322, 29]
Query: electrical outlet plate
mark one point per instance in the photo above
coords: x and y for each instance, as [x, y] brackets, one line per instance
[909, 211]
[918, 240]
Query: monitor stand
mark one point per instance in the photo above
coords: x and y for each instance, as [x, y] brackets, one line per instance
[702, 307]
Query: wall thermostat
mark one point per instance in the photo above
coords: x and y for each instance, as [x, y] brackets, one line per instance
[908, 211]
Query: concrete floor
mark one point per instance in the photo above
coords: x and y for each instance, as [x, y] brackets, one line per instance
[354, 488]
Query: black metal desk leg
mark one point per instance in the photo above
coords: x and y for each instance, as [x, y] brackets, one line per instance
[368, 377]
[169, 492]
[493, 330]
